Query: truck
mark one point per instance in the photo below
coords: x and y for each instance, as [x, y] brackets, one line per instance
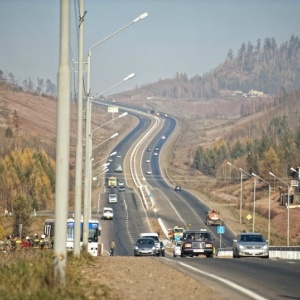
[112, 181]
[176, 233]
[213, 217]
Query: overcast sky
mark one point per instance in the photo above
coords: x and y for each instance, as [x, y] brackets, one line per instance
[188, 36]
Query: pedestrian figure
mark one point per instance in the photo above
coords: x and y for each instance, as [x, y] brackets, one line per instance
[2, 245]
[112, 248]
[36, 242]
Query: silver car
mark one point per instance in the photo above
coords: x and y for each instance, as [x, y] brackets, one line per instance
[250, 244]
[144, 247]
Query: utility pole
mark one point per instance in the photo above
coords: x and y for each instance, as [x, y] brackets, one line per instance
[78, 175]
[62, 146]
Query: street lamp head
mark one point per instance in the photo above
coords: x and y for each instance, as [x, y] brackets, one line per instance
[229, 163]
[123, 114]
[112, 154]
[114, 135]
[129, 76]
[253, 174]
[140, 17]
[272, 174]
[292, 169]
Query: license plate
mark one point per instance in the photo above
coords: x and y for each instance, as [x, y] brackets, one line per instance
[198, 250]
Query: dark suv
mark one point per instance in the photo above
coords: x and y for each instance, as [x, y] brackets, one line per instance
[197, 242]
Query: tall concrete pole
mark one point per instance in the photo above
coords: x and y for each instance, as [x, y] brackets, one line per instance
[87, 158]
[78, 175]
[62, 146]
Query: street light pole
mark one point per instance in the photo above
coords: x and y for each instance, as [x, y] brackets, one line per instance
[241, 192]
[288, 207]
[254, 200]
[88, 131]
[62, 147]
[79, 148]
[269, 215]
[90, 169]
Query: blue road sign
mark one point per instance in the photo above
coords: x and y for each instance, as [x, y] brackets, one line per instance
[221, 229]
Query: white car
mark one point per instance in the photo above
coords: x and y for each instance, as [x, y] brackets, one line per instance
[112, 198]
[163, 137]
[155, 154]
[177, 249]
[121, 182]
[148, 160]
[108, 213]
[149, 173]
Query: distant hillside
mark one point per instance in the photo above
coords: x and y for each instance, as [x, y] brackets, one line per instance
[264, 67]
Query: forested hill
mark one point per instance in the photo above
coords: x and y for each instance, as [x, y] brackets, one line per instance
[263, 66]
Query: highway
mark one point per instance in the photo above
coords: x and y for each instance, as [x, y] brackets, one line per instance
[251, 278]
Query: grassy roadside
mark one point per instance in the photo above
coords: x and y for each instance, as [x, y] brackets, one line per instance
[29, 274]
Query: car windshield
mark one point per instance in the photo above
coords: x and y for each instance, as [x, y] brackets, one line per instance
[145, 242]
[153, 237]
[252, 238]
[199, 236]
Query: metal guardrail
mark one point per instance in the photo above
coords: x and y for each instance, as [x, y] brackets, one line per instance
[282, 252]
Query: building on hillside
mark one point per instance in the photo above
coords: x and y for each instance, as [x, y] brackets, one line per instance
[253, 93]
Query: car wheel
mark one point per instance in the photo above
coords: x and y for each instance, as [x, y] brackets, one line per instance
[163, 254]
[182, 255]
[174, 255]
[209, 255]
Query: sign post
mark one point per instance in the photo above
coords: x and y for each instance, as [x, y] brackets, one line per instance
[221, 230]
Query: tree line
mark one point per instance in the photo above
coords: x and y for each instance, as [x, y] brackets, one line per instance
[264, 66]
[27, 182]
[42, 87]
[263, 145]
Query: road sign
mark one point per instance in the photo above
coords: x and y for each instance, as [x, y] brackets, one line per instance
[113, 109]
[221, 229]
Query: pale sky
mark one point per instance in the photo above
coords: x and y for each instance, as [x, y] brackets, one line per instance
[188, 36]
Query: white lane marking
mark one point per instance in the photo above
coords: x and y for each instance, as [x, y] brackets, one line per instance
[225, 281]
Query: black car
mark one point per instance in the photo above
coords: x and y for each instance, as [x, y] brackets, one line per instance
[197, 242]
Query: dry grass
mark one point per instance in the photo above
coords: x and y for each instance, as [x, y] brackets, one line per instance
[30, 275]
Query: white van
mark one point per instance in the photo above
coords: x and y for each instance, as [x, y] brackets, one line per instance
[154, 236]
[112, 198]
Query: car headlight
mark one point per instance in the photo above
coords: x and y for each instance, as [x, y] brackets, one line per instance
[187, 245]
[136, 248]
[209, 245]
[153, 248]
[265, 247]
[241, 247]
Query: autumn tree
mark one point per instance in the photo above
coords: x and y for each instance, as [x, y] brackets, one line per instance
[21, 213]
[269, 163]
